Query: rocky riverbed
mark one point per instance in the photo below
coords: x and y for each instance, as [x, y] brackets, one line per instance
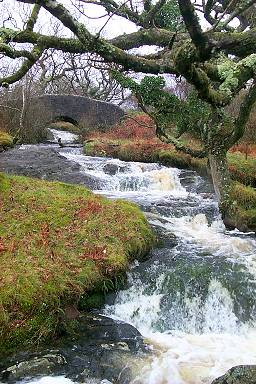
[44, 162]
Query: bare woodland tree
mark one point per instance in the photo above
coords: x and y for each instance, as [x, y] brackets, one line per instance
[218, 62]
[77, 74]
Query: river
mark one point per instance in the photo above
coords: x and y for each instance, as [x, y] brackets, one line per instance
[194, 299]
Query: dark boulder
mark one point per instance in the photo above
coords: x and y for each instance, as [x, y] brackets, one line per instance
[100, 348]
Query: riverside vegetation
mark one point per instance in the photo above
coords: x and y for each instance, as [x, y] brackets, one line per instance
[58, 244]
[134, 140]
[6, 140]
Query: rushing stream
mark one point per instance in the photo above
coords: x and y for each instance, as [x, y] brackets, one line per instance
[194, 299]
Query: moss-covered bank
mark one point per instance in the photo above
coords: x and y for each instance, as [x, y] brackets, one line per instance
[243, 212]
[58, 241]
[6, 140]
[143, 151]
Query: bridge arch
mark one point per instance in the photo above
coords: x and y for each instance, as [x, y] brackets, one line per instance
[78, 110]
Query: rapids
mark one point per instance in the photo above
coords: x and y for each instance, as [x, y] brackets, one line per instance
[194, 299]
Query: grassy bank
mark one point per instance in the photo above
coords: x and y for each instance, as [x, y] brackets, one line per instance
[242, 169]
[58, 241]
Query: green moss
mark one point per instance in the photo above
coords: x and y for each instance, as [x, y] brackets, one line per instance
[243, 210]
[242, 169]
[58, 241]
[91, 301]
[6, 140]
[245, 196]
[4, 184]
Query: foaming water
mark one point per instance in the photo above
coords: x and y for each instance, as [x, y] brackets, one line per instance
[125, 179]
[213, 236]
[206, 341]
[194, 359]
[195, 330]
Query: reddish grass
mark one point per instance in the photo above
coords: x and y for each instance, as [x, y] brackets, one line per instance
[140, 131]
[249, 149]
[137, 127]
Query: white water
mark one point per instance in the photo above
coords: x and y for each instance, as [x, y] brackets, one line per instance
[49, 380]
[62, 380]
[194, 336]
[65, 136]
[188, 357]
[207, 337]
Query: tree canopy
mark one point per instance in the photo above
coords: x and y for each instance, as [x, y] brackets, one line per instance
[217, 61]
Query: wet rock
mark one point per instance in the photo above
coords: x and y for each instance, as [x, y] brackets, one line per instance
[44, 162]
[241, 374]
[43, 365]
[104, 330]
[101, 348]
[194, 183]
[113, 168]
[165, 239]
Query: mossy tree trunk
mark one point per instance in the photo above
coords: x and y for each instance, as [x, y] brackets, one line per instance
[218, 141]
[221, 178]
[223, 133]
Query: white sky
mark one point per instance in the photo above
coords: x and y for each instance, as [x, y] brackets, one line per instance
[115, 26]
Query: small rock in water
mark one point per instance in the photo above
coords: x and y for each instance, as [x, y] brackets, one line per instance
[113, 168]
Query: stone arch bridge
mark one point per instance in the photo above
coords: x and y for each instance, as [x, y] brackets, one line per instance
[79, 110]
